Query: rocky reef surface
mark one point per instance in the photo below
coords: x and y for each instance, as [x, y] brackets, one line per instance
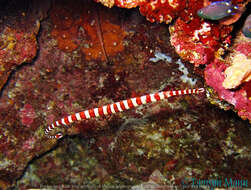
[79, 55]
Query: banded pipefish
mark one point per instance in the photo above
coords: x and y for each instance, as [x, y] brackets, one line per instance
[115, 108]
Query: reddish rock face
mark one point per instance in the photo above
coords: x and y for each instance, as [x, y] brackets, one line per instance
[19, 26]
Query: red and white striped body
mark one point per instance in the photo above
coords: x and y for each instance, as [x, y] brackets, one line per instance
[116, 107]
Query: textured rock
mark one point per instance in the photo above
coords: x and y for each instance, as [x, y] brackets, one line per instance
[19, 25]
[162, 150]
[97, 34]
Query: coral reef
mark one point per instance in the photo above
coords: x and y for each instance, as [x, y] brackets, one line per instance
[161, 143]
[203, 42]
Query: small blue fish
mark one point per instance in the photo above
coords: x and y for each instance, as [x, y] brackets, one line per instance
[246, 30]
[217, 10]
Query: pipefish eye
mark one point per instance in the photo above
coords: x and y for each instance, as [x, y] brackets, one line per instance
[200, 13]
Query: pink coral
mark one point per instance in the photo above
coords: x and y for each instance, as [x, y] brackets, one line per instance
[235, 71]
[27, 114]
[214, 76]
